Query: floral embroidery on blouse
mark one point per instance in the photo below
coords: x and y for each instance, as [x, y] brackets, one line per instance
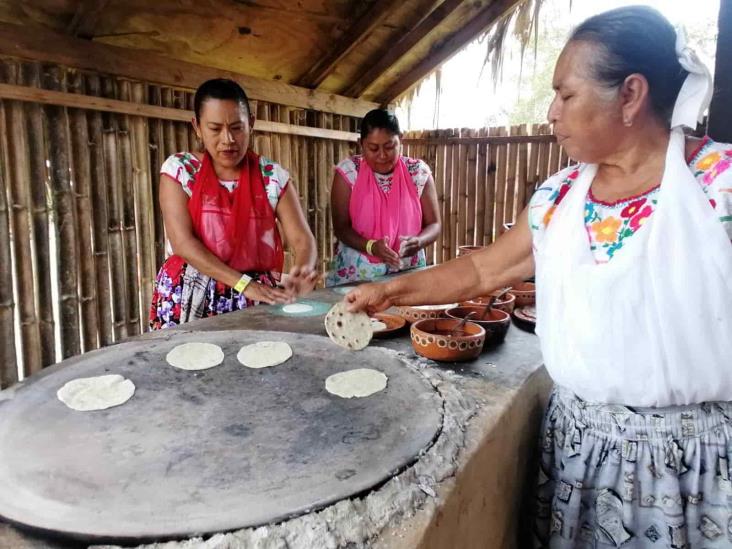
[609, 225]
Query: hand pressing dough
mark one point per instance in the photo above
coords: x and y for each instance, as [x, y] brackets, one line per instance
[350, 330]
[96, 393]
[297, 308]
[359, 383]
[264, 354]
[195, 356]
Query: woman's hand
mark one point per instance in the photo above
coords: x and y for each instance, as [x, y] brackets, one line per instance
[371, 298]
[300, 281]
[382, 250]
[266, 294]
[409, 245]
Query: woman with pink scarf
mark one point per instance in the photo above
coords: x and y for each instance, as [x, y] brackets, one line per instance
[384, 206]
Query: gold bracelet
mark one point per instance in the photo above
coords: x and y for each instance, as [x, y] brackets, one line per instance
[370, 246]
[243, 283]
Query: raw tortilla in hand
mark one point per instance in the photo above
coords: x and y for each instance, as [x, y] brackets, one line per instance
[96, 393]
[264, 354]
[350, 330]
[361, 382]
[195, 356]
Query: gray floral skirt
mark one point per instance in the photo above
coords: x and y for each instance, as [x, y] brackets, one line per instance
[612, 476]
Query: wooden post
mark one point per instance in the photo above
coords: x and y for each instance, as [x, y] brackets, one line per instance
[100, 217]
[439, 177]
[8, 358]
[509, 215]
[157, 157]
[471, 190]
[30, 75]
[453, 169]
[462, 195]
[480, 189]
[501, 170]
[82, 192]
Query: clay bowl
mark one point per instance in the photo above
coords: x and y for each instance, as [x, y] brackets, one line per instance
[525, 293]
[495, 326]
[394, 324]
[423, 312]
[506, 303]
[432, 338]
[465, 250]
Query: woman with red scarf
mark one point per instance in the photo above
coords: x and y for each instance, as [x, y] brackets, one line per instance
[384, 206]
[220, 209]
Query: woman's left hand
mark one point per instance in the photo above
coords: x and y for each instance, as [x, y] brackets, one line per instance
[409, 246]
[300, 281]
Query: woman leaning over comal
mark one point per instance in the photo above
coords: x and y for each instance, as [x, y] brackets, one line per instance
[632, 254]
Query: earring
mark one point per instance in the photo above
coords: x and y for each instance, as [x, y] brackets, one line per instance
[628, 122]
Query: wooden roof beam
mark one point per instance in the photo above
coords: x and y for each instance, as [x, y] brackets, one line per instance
[86, 17]
[396, 52]
[357, 33]
[448, 47]
[40, 44]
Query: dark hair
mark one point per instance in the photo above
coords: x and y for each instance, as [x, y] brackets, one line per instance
[219, 88]
[636, 39]
[379, 118]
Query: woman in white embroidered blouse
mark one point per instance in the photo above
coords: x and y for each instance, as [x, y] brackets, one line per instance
[632, 254]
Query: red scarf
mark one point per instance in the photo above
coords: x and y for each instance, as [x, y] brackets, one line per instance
[239, 227]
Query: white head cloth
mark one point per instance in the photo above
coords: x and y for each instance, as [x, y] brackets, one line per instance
[696, 91]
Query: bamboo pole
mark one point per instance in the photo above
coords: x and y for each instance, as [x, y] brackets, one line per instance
[100, 224]
[523, 155]
[181, 128]
[8, 358]
[169, 140]
[322, 186]
[509, 213]
[472, 191]
[501, 170]
[450, 246]
[329, 163]
[20, 203]
[263, 141]
[462, 196]
[532, 176]
[65, 216]
[30, 75]
[439, 177]
[129, 226]
[157, 157]
[543, 171]
[480, 190]
[78, 126]
[115, 219]
[144, 204]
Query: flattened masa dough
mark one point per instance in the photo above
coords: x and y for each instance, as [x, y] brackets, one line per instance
[96, 393]
[350, 330]
[297, 308]
[358, 383]
[264, 354]
[195, 356]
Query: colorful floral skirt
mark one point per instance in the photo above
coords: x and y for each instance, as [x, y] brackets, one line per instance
[169, 304]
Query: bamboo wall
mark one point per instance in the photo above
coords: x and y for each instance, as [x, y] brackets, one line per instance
[81, 235]
[484, 178]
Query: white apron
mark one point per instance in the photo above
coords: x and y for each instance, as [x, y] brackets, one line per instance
[653, 326]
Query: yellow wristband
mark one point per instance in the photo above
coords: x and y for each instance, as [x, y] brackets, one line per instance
[370, 247]
[243, 283]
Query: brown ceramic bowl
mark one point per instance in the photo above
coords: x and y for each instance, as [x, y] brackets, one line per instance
[465, 250]
[423, 312]
[525, 294]
[495, 325]
[432, 338]
[394, 324]
[506, 303]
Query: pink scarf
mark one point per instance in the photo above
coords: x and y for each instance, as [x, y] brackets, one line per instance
[376, 214]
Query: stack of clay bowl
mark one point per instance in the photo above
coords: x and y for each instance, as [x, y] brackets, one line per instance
[423, 312]
[495, 322]
[445, 340]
